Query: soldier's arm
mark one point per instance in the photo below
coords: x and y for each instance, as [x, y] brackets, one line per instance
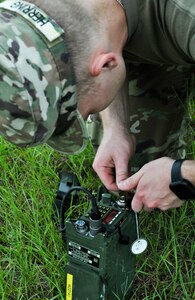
[188, 170]
[117, 146]
[117, 113]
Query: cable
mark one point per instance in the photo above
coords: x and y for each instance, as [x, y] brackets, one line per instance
[95, 214]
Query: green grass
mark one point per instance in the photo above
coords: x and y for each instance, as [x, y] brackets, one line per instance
[32, 255]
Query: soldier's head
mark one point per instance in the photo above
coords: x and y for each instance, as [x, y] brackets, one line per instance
[49, 68]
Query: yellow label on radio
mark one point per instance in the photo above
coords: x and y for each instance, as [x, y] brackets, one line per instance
[69, 285]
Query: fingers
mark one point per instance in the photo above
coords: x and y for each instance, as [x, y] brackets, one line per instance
[131, 182]
[139, 203]
[104, 168]
[136, 205]
[111, 169]
[121, 170]
[107, 176]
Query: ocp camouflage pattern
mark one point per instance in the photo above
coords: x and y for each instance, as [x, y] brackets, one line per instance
[37, 85]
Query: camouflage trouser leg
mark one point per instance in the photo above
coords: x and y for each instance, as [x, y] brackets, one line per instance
[157, 96]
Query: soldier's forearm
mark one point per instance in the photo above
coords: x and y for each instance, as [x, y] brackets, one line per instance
[117, 113]
[188, 170]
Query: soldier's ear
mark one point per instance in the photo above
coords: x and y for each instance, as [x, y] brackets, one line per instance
[101, 62]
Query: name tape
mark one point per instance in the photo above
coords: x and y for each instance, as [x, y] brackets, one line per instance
[36, 17]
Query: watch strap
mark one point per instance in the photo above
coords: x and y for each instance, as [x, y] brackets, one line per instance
[181, 187]
[176, 170]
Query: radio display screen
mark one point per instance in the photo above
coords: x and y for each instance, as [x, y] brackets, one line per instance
[110, 216]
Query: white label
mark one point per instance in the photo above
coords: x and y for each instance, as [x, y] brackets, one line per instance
[139, 246]
[35, 16]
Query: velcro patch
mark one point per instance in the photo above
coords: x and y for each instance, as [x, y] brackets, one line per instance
[36, 17]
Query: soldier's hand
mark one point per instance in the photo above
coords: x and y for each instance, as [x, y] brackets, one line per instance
[152, 186]
[112, 158]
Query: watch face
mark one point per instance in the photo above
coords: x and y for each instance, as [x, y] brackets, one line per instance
[183, 189]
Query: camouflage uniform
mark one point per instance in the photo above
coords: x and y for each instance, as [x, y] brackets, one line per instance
[158, 111]
[160, 63]
[37, 84]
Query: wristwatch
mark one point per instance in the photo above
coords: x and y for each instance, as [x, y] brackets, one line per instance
[181, 187]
